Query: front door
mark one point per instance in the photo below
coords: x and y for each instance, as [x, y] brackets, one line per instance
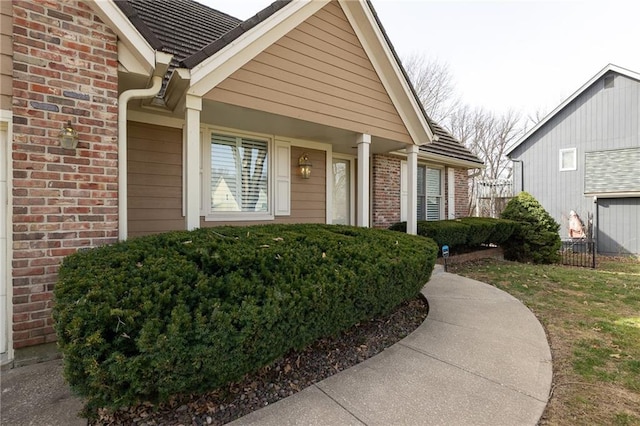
[341, 192]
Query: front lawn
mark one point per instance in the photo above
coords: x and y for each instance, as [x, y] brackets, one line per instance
[592, 319]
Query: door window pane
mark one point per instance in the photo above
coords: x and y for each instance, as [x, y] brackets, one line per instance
[341, 190]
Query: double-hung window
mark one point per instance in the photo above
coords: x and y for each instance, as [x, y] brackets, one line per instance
[429, 193]
[237, 185]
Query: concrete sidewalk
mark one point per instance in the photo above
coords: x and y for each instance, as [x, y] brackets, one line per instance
[480, 358]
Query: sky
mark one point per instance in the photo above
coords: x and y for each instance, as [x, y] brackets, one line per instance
[522, 55]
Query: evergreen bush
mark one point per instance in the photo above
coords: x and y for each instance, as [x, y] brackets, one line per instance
[488, 230]
[188, 312]
[463, 234]
[536, 239]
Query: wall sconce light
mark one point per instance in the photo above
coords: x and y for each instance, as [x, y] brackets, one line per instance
[305, 166]
[68, 136]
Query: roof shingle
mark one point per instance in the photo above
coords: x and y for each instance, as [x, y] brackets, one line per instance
[448, 146]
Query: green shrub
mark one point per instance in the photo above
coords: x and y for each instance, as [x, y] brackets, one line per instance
[463, 234]
[536, 239]
[188, 312]
[488, 230]
[453, 233]
[480, 229]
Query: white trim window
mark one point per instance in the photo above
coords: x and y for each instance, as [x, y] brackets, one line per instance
[429, 192]
[237, 182]
[430, 204]
[568, 159]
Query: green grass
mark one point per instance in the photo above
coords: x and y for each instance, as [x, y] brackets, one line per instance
[592, 318]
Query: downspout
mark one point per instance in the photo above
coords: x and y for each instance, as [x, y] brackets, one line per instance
[158, 72]
[123, 100]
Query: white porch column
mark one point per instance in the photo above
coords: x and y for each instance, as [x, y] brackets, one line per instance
[412, 189]
[193, 107]
[363, 142]
[451, 193]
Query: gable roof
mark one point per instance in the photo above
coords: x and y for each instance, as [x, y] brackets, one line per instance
[194, 33]
[598, 76]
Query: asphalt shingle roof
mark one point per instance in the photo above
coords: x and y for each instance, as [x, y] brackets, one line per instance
[449, 146]
[179, 27]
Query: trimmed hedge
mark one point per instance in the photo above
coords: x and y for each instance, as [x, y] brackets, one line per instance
[463, 234]
[488, 230]
[188, 312]
[536, 239]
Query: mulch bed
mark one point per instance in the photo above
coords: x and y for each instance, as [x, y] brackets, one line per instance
[283, 378]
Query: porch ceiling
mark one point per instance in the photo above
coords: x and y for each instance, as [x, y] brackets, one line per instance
[251, 120]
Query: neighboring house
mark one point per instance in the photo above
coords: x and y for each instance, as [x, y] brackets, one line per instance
[585, 155]
[186, 118]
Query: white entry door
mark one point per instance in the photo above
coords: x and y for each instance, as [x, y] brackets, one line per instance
[342, 190]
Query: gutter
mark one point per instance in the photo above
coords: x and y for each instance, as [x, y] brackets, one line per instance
[162, 64]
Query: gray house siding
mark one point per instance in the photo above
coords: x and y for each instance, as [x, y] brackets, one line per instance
[619, 226]
[599, 119]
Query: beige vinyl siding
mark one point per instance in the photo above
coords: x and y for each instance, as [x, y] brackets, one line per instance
[154, 186]
[308, 196]
[319, 72]
[6, 55]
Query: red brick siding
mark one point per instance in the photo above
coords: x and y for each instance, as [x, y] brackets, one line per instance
[461, 177]
[64, 68]
[385, 184]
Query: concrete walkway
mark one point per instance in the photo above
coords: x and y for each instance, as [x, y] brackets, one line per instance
[480, 358]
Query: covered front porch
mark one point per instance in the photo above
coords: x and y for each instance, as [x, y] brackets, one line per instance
[179, 177]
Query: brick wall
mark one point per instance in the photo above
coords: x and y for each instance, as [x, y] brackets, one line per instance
[64, 68]
[461, 177]
[385, 185]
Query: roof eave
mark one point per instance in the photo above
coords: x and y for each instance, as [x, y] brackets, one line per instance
[443, 159]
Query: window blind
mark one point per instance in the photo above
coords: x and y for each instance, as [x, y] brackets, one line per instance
[239, 179]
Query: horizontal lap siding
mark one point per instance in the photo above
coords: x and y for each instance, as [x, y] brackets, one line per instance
[319, 72]
[308, 196]
[154, 187]
[6, 53]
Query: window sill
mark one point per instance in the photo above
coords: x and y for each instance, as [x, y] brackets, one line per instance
[230, 217]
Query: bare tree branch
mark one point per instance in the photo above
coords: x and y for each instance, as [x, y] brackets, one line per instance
[434, 85]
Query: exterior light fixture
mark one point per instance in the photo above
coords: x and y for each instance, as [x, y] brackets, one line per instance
[68, 136]
[305, 166]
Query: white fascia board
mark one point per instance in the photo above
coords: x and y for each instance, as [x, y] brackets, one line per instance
[213, 70]
[375, 45]
[602, 72]
[603, 195]
[126, 31]
[442, 159]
